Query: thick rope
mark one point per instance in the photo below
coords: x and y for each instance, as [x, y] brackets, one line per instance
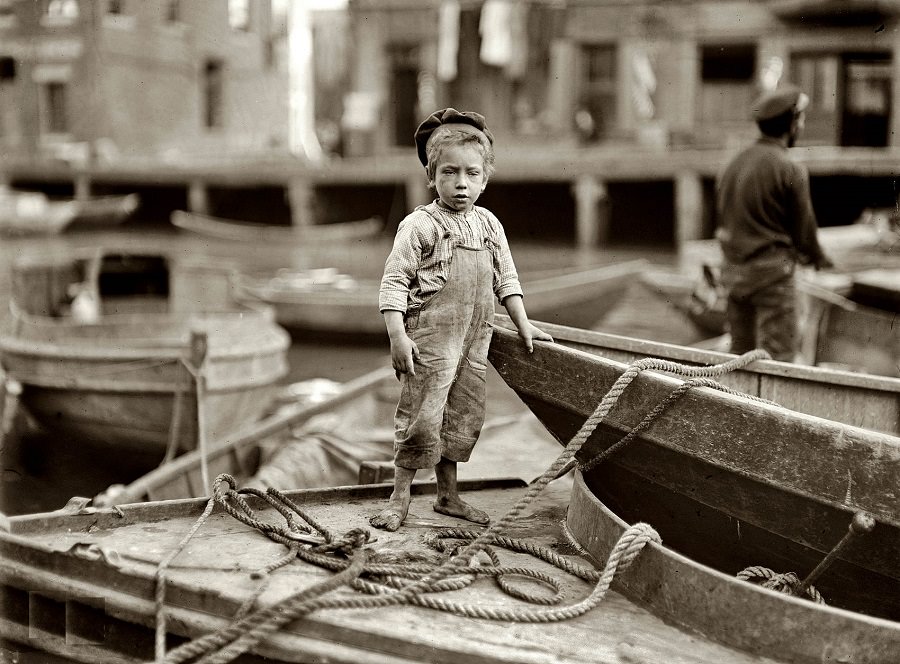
[160, 635]
[242, 634]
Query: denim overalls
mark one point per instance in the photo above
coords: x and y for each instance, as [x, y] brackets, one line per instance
[441, 409]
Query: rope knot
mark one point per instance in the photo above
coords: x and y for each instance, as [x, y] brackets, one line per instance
[346, 544]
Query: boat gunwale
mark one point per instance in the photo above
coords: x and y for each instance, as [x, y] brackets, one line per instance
[277, 339]
[539, 284]
[236, 230]
[126, 514]
[701, 356]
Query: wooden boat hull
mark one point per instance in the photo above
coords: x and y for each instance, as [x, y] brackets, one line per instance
[81, 585]
[868, 401]
[571, 297]
[238, 231]
[715, 605]
[122, 381]
[363, 407]
[860, 339]
[777, 488]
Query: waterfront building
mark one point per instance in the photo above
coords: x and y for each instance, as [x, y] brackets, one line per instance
[636, 104]
[612, 117]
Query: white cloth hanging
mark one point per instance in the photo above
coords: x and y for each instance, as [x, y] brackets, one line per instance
[495, 27]
[448, 40]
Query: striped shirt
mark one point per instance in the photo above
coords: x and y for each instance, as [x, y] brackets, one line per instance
[419, 262]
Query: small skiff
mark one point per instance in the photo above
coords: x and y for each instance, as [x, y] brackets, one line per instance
[733, 485]
[327, 301]
[133, 349]
[243, 231]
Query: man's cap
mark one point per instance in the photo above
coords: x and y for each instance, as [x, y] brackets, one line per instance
[449, 118]
[773, 103]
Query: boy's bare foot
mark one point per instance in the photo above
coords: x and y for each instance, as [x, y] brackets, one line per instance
[391, 517]
[460, 509]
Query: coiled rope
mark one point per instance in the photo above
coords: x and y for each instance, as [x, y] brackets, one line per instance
[457, 571]
[787, 583]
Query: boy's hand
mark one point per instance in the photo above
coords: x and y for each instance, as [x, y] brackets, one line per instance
[404, 353]
[528, 332]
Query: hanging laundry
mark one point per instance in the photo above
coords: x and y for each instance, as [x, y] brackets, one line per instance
[448, 40]
[644, 84]
[517, 66]
[495, 28]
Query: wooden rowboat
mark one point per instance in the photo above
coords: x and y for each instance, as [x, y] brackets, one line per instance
[869, 401]
[242, 231]
[729, 483]
[126, 372]
[81, 585]
[317, 443]
[327, 301]
[878, 288]
[835, 328]
[105, 211]
[339, 434]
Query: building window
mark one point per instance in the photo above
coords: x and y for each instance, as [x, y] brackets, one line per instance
[62, 9]
[115, 7]
[213, 85]
[55, 115]
[727, 82]
[7, 70]
[595, 115]
[239, 14]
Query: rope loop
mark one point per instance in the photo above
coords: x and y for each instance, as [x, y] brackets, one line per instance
[631, 543]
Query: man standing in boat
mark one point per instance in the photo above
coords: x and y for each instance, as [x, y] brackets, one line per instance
[766, 226]
[449, 262]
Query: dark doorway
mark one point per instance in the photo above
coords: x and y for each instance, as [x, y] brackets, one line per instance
[867, 100]
[404, 93]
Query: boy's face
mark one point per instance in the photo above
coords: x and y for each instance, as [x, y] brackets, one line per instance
[459, 177]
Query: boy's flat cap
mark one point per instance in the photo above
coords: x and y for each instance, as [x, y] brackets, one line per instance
[776, 102]
[452, 119]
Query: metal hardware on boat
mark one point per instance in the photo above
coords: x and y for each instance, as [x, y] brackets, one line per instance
[305, 538]
[92, 551]
[861, 524]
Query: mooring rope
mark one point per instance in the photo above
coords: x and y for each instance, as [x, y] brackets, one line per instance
[248, 628]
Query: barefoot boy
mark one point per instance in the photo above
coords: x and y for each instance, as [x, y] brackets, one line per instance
[449, 261]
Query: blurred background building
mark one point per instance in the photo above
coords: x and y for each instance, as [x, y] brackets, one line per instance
[612, 117]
